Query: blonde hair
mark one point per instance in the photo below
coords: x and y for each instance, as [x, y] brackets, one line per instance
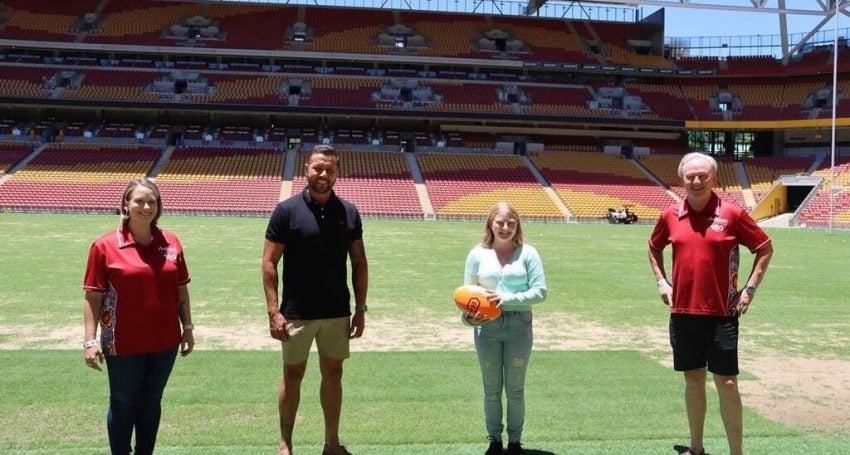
[500, 207]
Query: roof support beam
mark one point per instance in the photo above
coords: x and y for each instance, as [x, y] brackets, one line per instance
[825, 9]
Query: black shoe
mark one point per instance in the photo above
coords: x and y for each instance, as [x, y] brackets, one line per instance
[495, 448]
[515, 448]
[691, 452]
[345, 451]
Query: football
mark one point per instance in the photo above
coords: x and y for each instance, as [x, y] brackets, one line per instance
[473, 299]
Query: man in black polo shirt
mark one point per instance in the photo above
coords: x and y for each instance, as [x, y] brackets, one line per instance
[314, 232]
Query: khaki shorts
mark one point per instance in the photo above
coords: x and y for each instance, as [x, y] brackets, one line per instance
[331, 337]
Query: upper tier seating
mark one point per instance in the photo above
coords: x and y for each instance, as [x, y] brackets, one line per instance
[615, 35]
[346, 29]
[380, 184]
[673, 99]
[561, 101]
[698, 63]
[667, 101]
[547, 39]
[113, 85]
[251, 26]
[222, 181]
[763, 100]
[141, 22]
[330, 29]
[738, 64]
[467, 186]
[569, 143]
[697, 96]
[591, 183]
[450, 35]
[43, 20]
[817, 58]
[465, 97]
[666, 146]
[76, 178]
[23, 82]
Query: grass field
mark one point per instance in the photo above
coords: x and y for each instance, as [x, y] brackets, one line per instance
[599, 380]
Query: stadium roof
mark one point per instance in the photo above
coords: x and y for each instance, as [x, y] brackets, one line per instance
[825, 9]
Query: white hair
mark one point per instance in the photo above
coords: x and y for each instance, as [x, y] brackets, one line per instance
[697, 155]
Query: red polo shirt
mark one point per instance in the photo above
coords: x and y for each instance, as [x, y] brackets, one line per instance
[139, 282]
[705, 253]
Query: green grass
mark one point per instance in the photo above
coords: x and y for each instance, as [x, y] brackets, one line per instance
[222, 401]
[226, 400]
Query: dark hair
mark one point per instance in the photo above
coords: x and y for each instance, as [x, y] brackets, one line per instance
[143, 182]
[488, 226]
[323, 149]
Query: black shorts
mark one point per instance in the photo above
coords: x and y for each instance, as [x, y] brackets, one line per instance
[700, 341]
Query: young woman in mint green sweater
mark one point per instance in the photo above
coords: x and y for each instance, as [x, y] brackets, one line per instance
[512, 272]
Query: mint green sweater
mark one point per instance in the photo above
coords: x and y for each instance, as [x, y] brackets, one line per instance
[520, 283]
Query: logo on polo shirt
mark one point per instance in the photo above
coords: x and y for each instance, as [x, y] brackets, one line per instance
[719, 224]
[169, 252]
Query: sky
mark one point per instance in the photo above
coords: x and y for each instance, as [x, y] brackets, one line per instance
[680, 22]
[685, 22]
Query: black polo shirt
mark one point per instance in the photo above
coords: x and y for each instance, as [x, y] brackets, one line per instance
[316, 240]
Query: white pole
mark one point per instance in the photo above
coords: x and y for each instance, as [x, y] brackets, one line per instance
[834, 103]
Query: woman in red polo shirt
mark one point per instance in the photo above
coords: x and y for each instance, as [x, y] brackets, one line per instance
[136, 286]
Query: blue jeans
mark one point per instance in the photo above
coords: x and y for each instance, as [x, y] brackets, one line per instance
[504, 348]
[136, 383]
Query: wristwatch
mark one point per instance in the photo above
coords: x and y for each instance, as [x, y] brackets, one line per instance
[751, 290]
[362, 308]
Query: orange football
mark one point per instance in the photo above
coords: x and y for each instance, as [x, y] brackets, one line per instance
[472, 299]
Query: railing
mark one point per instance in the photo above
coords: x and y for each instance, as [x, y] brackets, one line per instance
[571, 10]
[729, 46]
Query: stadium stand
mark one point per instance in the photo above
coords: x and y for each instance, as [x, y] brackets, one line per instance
[44, 20]
[379, 183]
[569, 143]
[222, 181]
[76, 178]
[739, 64]
[591, 183]
[667, 101]
[547, 39]
[23, 82]
[665, 168]
[764, 171]
[728, 185]
[251, 26]
[522, 90]
[110, 85]
[816, 212]
[11, 154]
[346, 30]
[140, 22]
[698, 63]
[467, 186]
